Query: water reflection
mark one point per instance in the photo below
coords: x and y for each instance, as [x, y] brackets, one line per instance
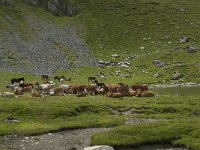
[176, 91]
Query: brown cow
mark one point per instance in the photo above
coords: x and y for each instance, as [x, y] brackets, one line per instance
[132, 93]
[58, 91]
[120, 88]
[28, 89]
[22, 84]
[115, 95]
[142, 87]
[91, 88]
[77, 89]
[141, 93]
[36, 94]
[100, 91]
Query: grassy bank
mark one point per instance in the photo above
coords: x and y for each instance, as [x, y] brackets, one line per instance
[171, 119]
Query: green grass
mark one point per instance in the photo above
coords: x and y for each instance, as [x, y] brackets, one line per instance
[177, 116]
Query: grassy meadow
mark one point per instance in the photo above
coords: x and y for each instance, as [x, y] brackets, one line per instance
[146, 30]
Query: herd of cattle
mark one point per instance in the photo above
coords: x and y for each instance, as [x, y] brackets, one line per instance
[19, 86]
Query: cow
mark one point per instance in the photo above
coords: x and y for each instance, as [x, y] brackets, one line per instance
[100, 85]
[141, 93]
[45, 77]
[141, 87]
[12, 86]
[77, 89]
[115, 95]
[44, 88]
[132, 93]
[17, 80]
[7, 94]
[100, 91]
[36, 94]
[91, 89]
[120, 88]
[22, 84]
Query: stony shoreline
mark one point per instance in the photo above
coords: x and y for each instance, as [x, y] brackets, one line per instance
[174, 85]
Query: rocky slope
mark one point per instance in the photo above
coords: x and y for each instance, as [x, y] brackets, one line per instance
[41, 47]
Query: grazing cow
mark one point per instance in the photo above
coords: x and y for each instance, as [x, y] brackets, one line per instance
[62, 78]
[115, 95]
[91, 78]
[132, 93]
[45, 77]
[141, 93]
[91, 89]
[120, 88]
[22, 84]
[66, 88]
[17, 80]
[36, 94]
[141, 87]
[100, 85]
[77, 89]
[27, 89]
[44, 88]
[7, 94]
[18, 91]
[57, 91]
[100, 91]
[12, 87]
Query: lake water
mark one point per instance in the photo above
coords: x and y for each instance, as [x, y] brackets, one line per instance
[153, 147]
[176, 91]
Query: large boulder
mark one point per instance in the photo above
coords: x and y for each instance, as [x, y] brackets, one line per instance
[176, 76]
[158, 63]
[191, 49]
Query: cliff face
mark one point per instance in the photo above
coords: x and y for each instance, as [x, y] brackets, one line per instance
[57, 7]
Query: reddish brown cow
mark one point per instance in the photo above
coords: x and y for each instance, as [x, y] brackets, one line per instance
[115, 95]
[141, 87]
[132, 93]
[141, 93]
[26, 85]
[120, 88]
[91, 88]
[77, 89]
[28, 89]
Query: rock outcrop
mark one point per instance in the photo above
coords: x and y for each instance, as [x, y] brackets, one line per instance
[57, 7]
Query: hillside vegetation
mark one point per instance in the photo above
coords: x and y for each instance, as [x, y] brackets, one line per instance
[139, 32]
